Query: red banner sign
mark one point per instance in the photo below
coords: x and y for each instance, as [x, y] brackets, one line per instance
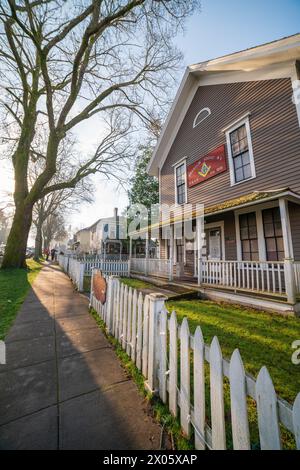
[208, 166]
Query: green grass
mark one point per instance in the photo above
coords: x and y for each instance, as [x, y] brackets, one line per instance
[137, 283]
[262, 338]
[14, 286]
[159, 409]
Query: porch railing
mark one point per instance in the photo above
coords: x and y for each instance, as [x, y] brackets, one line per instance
[250, 275]
[151, 266]
[297, 276]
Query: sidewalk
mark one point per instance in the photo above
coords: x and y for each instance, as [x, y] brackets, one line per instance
[63, 386]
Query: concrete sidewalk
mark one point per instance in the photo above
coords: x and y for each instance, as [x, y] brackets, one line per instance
[63, 386]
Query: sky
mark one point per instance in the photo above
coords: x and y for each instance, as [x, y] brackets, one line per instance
[222, 27]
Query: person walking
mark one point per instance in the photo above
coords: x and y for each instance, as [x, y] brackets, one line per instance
[53, 251]
[46, 253]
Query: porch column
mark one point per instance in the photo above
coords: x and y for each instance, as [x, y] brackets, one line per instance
[130, 255]
[288, 252]
[199, 248]
[146, 253]
[171, 252]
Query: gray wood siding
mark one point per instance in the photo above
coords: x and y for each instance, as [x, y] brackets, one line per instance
[294, 211]
[275, 138]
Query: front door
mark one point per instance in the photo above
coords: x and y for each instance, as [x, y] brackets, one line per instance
[213, 244]
[213, 251]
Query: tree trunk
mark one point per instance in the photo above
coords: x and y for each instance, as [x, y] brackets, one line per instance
[15, 251]
[38, 242]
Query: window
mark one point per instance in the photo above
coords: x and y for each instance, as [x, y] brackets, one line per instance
[248, 235]
[240, 152]
[273, 234]
[179, 251]
[201, 116]
[180, 183]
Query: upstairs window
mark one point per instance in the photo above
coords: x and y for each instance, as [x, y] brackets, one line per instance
[180, 183]
[240, 152]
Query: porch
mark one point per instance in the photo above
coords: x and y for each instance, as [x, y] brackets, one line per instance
[248, 249]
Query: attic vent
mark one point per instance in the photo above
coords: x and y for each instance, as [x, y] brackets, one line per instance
[203, 114]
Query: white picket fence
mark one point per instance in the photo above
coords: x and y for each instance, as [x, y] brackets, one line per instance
[161, 348]
[77, 269]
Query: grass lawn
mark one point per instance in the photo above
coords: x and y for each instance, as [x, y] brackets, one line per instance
[262, 338]
[137, 283]
[14, 285]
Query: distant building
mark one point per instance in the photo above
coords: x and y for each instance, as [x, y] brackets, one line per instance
[106, 236]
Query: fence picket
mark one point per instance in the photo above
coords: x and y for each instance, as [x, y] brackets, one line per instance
[217, 396]
[163, 356]
[238, 398]
[296, 420]
[145, 337]
[133, 325]
[120, 322]
[125, 308]
[267, 412]
[185, 393]
[129, 319]
[139, 338]
[199, 390]
[173, 365]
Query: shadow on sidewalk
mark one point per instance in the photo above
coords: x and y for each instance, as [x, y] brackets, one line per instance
[63, 386]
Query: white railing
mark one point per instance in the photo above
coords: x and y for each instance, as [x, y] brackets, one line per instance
[297, 276]
[151, 266]
[78, 268]
[250, 275]
[115, 267]
[168, 356]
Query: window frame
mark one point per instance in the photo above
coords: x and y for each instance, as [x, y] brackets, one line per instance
[243, 121]
[274, 236]
[195, 123]
[249, 238]
[177, 165]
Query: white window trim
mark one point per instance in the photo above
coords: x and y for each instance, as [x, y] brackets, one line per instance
[181, 162]
[228, 130]
[195, 123]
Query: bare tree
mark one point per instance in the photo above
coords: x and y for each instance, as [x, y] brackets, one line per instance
[63, 201]
[54, 229]
[63, 62]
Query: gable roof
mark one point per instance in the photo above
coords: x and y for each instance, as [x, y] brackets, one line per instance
[257, 58]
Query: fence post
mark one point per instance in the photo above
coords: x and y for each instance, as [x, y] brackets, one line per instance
[110, 304]
[290, 284]
[81, 276]
[156, 305]
[91, 289]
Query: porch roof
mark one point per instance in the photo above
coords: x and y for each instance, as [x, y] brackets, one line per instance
[236, 203]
